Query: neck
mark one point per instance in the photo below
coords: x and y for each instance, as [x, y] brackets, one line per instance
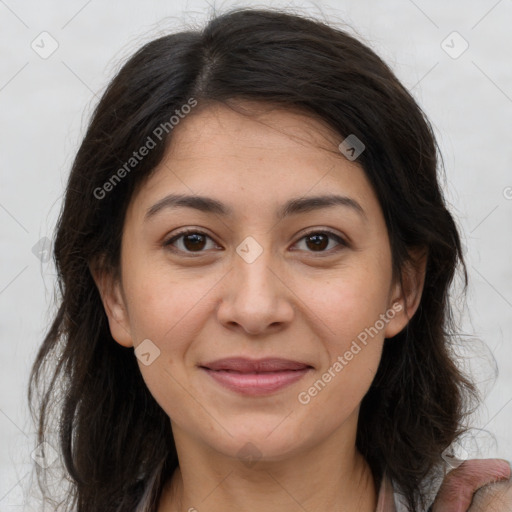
[322, 478]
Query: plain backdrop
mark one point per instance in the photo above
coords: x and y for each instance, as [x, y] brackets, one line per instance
[455, 58]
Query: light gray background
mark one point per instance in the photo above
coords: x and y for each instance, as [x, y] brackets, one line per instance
[45, 104]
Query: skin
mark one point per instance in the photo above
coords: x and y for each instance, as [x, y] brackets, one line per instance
[291, 302]
[493, 498]
[477, 485]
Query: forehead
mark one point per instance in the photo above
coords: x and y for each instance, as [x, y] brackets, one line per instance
[255, 121]
[259, 157]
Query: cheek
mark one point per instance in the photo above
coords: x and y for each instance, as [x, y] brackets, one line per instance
[169, 310]
[350, 308]
[162, 305]
[336, 393]
[349, 302]
[353, 343]
[165, 312]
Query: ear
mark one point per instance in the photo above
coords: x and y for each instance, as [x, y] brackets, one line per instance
[404, 302]
[114, 303]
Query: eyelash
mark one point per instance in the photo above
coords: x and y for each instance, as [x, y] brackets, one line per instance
[168, 243]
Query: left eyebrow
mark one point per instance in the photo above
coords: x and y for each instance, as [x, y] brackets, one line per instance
[292, 207]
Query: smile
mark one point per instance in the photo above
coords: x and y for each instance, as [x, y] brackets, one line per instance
[255, 378]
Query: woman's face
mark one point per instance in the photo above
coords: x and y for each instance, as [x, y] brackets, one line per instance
[261, 278]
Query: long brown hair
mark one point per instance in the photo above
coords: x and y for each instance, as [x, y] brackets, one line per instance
[112, 435]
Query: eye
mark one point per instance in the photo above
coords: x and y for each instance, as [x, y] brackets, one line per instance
[318, 241]
[194, 241]
[189, 241]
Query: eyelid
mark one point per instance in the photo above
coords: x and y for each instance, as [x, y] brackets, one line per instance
[167, 243]
[340, 239]
[315, 231]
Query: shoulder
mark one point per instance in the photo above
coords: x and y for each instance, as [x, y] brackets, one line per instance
[495, 497]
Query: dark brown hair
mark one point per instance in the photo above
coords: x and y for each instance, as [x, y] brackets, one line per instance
[113, 436]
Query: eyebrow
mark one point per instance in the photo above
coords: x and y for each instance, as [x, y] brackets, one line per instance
[292, 207]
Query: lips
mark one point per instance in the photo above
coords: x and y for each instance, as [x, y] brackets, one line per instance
[243, 365]
[255, 377]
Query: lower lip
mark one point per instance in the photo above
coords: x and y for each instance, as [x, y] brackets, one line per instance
[256, 384]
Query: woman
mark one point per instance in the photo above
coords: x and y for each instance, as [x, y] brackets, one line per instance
[254, 256]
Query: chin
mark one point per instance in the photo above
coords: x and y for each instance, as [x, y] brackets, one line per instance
[259, 444]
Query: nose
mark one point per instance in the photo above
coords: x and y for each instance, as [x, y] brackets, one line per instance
[255, 297]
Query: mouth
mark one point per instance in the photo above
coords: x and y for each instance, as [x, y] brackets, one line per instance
[255, 377]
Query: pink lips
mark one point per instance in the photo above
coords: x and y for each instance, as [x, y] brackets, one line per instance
[255, 377]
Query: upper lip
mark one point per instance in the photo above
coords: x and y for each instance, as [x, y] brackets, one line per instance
[245, 365]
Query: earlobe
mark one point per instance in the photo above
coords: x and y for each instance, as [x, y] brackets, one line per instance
[114, 304]
[406, 300]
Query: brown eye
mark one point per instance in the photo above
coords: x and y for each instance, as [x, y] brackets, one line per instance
[318, 241]
[194, 242]
[189, 242]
